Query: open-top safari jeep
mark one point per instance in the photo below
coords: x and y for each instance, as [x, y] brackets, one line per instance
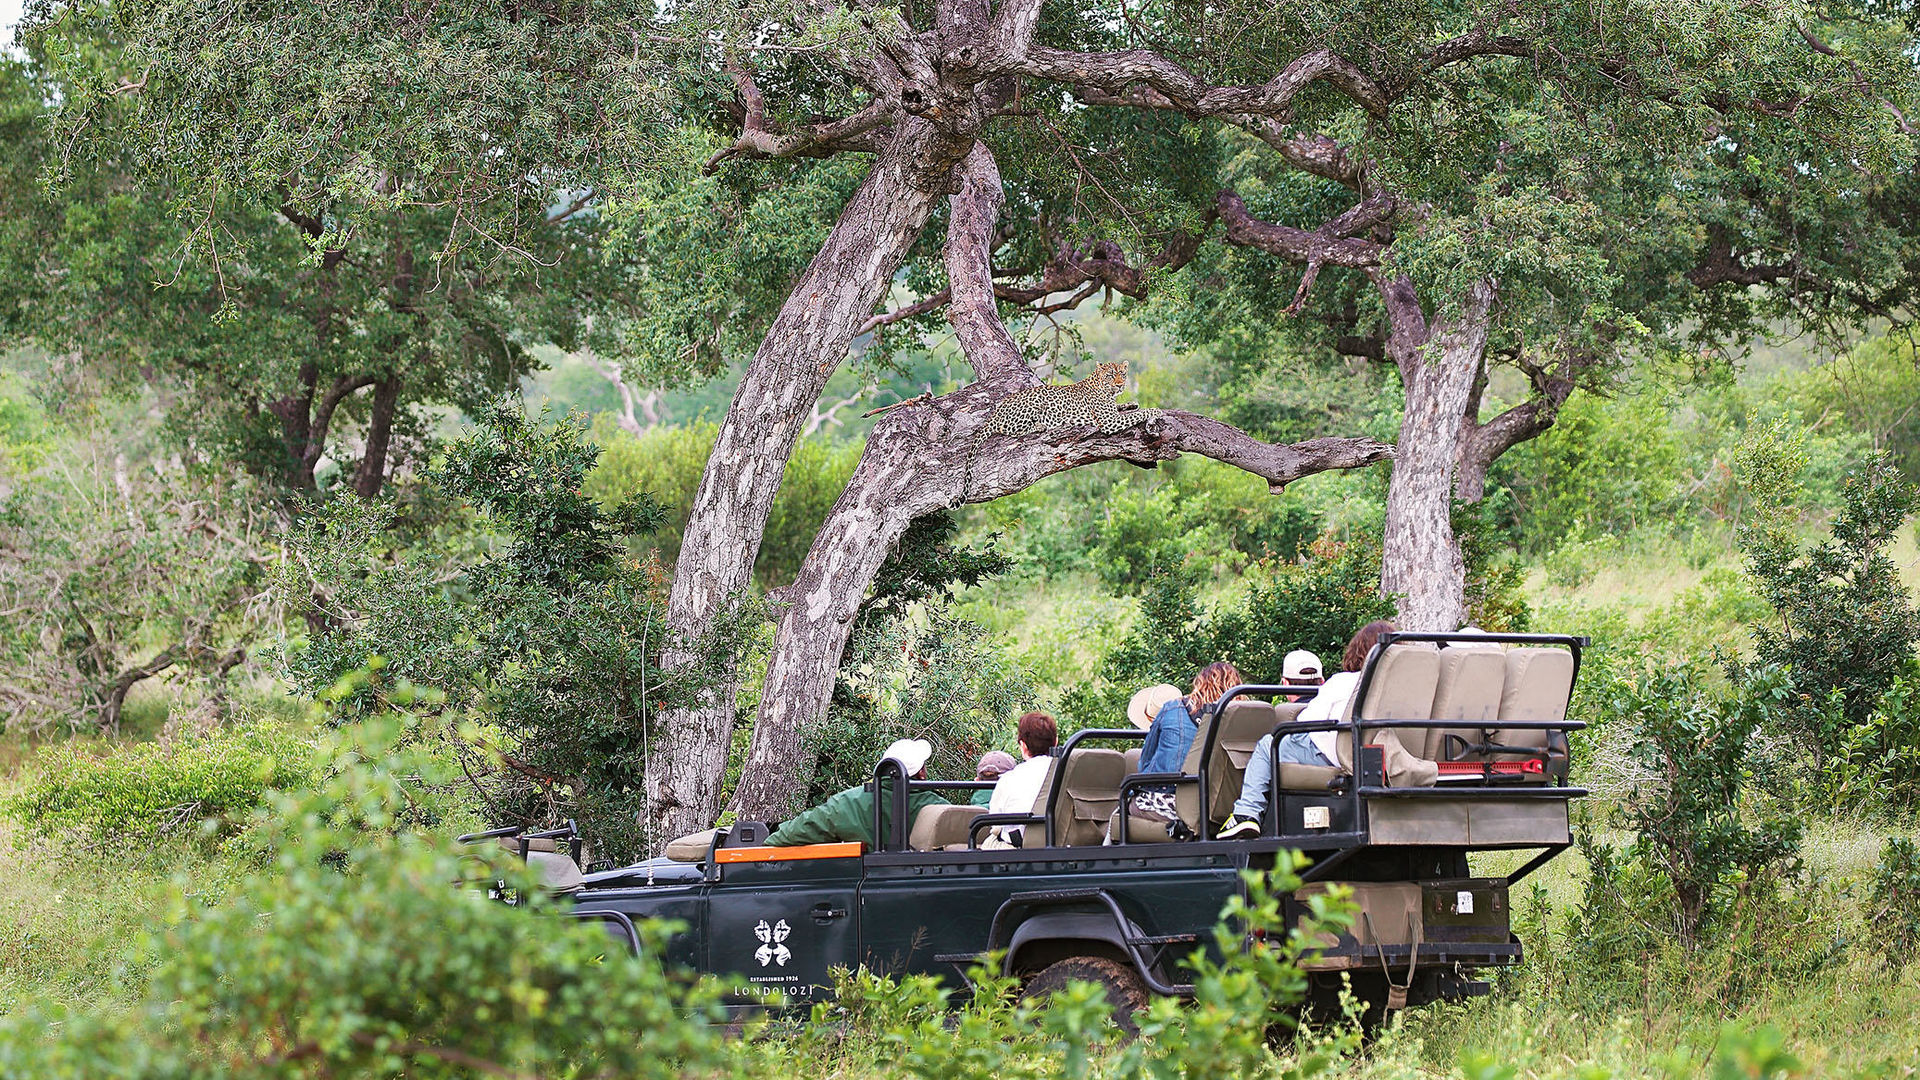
[1458, 745]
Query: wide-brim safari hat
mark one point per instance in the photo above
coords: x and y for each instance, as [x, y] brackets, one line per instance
[1146, 704]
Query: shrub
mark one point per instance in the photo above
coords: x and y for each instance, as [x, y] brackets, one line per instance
[1315, 605]
[148, 791]
[554, 641]
[353, 955]
[1846, 625]
[1699, 810]
[1893, 904]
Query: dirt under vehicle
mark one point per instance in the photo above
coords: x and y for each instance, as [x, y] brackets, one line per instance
[1457, 744]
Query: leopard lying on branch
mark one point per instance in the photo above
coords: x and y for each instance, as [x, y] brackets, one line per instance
[1087, 403]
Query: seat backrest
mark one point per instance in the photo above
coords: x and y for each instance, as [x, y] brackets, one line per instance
[934, 827]
[1471, 680]
[1539, 685]
[1085, 792]
[1240, 727]
[1133, 759]
[1405, 677]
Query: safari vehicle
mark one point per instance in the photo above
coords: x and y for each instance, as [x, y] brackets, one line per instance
[1485, 716]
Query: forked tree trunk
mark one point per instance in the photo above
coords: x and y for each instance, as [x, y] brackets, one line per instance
[930, 456]
[808, 339]
[1421, 561]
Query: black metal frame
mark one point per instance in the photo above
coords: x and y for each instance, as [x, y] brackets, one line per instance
[569, 832]
[897, 795]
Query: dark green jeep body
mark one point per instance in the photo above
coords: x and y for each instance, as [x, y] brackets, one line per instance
[1480, 722]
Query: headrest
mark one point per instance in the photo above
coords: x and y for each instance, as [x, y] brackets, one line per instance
[1470, 685]
[691, 848]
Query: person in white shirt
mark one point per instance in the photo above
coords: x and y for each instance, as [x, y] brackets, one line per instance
[1303, 747]
[1016, 790]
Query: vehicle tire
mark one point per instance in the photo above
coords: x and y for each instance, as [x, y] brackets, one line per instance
[1126, 991]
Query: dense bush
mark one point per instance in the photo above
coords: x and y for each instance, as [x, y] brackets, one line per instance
[195, 786]
[1317, 605]
[553, 642]
[1893, 904]
[1702, 810]
[1844, 623]
[354, 954]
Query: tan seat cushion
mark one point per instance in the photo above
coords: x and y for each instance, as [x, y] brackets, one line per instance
[1405, 678]
[1472, 678]
[1086, 792]
[691, 848]
[1316, 778]
[936, 827]
[1139, 830]
[1539, 686]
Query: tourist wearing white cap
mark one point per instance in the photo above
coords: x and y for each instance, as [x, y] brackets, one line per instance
[1300, 668]
[848, 815]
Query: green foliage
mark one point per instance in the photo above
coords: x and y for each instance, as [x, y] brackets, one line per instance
[552, 643]
[1893, 904]
[1155, 530]
[1700, 809]
[1317, 605]
[1846, 625]
[120, 564]
[914, 668]
[669, 461]
[351, 955]
[193, 786]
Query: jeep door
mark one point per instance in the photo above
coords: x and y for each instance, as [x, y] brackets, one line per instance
[775, 926]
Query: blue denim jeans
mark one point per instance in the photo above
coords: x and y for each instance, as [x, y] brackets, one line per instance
[1296, 748]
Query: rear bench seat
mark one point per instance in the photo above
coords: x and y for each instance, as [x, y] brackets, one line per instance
[1474, 686]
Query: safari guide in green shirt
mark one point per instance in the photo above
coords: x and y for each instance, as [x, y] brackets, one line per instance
[848, 816]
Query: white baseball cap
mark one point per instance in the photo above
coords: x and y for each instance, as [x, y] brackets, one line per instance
[1146, 704]
[912, 754]
[1300, 664]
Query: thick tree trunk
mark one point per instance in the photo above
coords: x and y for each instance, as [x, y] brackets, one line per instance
[373, 464]
[1421, 562]
[807, 341]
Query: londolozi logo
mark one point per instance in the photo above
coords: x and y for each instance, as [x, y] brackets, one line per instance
[771, 950]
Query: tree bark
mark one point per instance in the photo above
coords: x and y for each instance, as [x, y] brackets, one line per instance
[373, 464]
[808, 339]
[1421, 561]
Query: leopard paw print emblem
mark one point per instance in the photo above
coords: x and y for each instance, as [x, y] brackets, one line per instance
[771, 950]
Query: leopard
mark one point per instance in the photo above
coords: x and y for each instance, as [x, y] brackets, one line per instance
[1087, 403]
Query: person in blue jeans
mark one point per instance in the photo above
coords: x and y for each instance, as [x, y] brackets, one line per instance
[1171, 736]
[1302, 747]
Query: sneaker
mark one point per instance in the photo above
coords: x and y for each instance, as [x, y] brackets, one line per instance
[1238, 828]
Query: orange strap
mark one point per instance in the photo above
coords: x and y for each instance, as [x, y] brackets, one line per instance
[780, 854]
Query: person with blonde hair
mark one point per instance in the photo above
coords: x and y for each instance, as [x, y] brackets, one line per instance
[1171, 736]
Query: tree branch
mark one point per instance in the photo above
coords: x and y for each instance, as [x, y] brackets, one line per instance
[972, 212]
[1135, 75]
[759, 139]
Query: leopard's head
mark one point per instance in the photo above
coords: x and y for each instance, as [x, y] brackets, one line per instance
[1112, 373]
